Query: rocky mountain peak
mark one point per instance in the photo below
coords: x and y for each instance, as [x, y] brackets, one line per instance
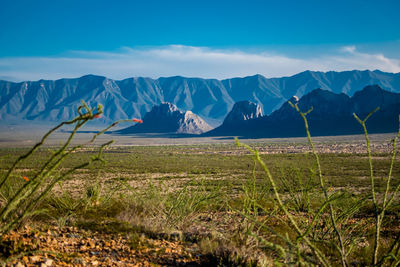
[242, 111]
[374, 96]
[164, 109]
[192, 124]
[332, 114]
[167, 118]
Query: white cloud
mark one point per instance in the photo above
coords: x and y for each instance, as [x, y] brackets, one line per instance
[350, 48]
[187, 61]
[360, 60]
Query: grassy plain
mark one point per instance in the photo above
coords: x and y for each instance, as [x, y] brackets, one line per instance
[210, 200]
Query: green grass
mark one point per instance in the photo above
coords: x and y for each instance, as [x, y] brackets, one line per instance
[240, 205]
[200, 191]
[341, 170]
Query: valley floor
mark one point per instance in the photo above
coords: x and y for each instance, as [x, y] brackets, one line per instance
[27, 135]
[188, 201]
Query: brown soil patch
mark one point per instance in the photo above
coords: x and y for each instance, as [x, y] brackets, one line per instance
[70, 246]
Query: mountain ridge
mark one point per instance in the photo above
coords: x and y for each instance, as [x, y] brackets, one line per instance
[167, 118]
[212, 99]
[332, 114]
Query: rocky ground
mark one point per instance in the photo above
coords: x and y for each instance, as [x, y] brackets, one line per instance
[70, 246]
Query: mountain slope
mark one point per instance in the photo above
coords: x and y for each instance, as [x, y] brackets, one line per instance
[236, 119]
[332, 114]
[167, 118]
[209, 98]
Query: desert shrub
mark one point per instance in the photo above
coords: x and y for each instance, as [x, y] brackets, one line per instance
[20, 196]
[328, 231]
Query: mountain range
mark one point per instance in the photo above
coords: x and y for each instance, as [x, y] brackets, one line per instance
[211, 99]
[332, 114]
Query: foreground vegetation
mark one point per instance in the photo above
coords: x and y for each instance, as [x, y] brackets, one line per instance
[206, 204]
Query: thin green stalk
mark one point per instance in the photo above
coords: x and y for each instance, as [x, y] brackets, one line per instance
[29, 186]
[254, 190]
[51, 185]
[273, 246]
[34, 148]
[387, 203]
[322, 183]
[20, 203]
[80, 120]
[315, 250]
[106, 129]
[318, 215]
[29, 193]
[372, 179]
[250, 191]
[265, 226]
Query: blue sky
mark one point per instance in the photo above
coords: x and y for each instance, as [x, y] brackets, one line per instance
[212, 39]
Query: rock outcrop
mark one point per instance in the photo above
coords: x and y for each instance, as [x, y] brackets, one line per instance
[243, 111]
[332, 114]
[167, 118]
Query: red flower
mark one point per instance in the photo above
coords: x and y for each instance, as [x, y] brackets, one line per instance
[25, 178]
[97, 116]
[137, 120]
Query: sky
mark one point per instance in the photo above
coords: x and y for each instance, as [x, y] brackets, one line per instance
[52, 39]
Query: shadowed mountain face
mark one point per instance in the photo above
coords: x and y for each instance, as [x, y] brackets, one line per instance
[209, 98]
[241, 112]
[332, 114]
[167, 118]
